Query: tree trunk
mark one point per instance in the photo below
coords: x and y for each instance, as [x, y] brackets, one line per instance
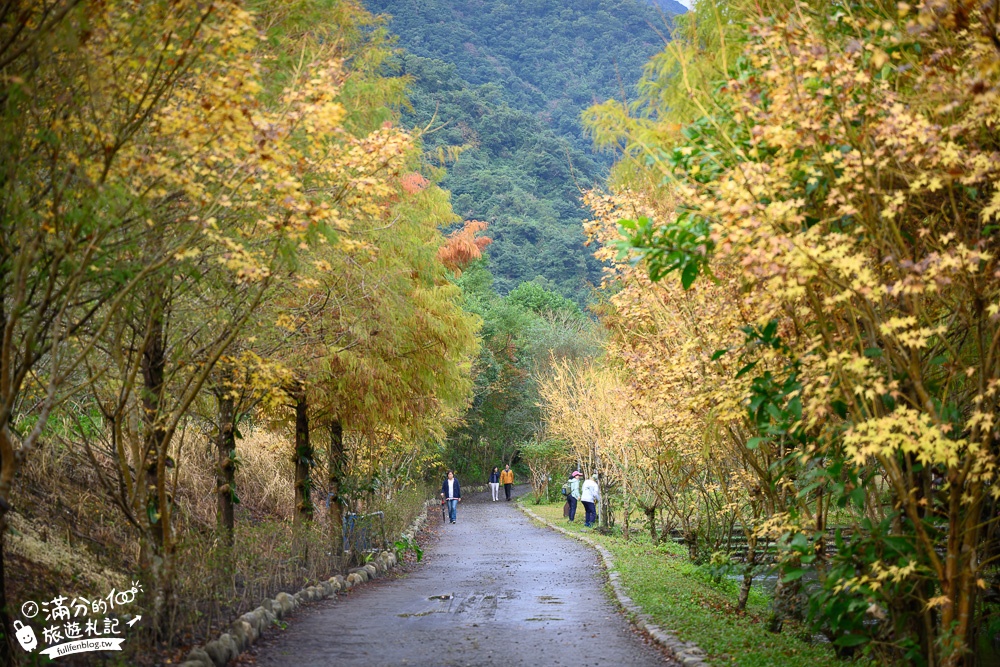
[625, 520]
[157, 548]
[820, 536]
[751, 560]
[6, 627]
[225, 471]
[785, 604]
[7, 466]
[303, 462]
[336, 471]
[651, 518]
[153, 366]
[694, 550]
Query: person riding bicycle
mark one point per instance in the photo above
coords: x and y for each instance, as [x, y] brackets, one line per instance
[451, 492]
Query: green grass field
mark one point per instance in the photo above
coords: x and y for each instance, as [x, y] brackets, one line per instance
[683, 600]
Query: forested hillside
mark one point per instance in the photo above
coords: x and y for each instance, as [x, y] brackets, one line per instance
[508, 81]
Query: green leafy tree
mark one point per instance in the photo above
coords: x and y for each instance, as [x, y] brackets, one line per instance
[523, 334]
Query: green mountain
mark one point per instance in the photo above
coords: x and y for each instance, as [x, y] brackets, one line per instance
[508, 80]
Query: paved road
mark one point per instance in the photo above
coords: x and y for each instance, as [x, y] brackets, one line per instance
[494, 590]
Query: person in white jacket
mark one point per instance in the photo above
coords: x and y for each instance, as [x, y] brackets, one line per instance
[590, 496]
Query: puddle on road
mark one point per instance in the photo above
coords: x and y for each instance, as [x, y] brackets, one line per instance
[444, 597]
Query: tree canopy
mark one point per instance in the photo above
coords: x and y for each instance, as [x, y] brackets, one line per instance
[802, 225]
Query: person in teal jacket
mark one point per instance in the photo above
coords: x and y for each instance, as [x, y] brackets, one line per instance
[574, 493]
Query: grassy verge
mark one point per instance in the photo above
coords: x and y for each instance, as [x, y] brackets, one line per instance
[683, 600]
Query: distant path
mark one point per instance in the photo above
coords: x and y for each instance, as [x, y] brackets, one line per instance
[494, 591]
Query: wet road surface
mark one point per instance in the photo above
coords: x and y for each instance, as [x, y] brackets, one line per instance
[493, 590]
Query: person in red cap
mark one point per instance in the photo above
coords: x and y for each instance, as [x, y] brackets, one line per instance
[574, 492]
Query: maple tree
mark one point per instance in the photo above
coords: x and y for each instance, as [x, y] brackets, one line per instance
[587, 405]
[835, 182]
[703, 468]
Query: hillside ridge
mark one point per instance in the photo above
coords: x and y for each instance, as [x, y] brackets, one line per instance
[508, 82]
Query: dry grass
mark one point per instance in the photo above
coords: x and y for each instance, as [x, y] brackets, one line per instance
[264, 477]
[54, 550]
[265, 474]
[74, 533]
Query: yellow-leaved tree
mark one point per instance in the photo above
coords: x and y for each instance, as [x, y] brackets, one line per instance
[127, 137]
[204, 210]
[832, 170]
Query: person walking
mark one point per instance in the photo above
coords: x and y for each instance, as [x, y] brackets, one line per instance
[507, 479]
[573, 496]
[451, 491]
[495, 483]
[590, 495]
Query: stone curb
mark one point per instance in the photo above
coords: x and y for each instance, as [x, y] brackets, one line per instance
[687, 653]
[418, 523]
[248, 628]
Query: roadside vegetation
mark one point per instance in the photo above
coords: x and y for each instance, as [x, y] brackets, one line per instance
[803, 314]
[696, 605]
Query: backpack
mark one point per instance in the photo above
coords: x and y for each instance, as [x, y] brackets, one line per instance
[565, 489]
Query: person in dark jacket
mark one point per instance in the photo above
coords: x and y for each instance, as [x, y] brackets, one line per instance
[495, 483]
[452, 493]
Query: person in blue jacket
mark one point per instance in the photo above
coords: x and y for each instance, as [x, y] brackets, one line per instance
[451, 492]
[495, 483]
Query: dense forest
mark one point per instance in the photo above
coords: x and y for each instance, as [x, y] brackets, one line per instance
[507, 83]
